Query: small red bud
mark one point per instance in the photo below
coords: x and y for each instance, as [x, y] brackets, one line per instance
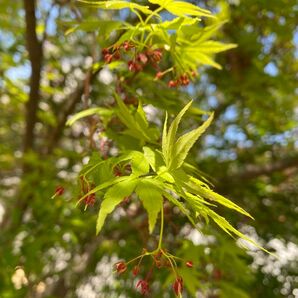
[142, 58]
[90, 200]
[189, 264]
[108, 58]
[159, 75]
[105, 51]
[172, 84]
[127, 45]
[144, 286]
[138, 67]
[117, 55]
[178, 286]
[133, 66]
[157, 55]
[120, 267]
[59, 191]
[135, 270]
[194, 73]
[184, 80]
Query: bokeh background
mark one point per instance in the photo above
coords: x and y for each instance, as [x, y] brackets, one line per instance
[48, 248]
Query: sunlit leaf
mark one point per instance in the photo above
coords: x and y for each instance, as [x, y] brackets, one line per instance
[112, 198]
[104, 112]
[151, 196]
[118, 5]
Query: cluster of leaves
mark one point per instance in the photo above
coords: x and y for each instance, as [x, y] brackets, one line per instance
[159, 172]
[164, 172]
[187, 43]
[155, 175]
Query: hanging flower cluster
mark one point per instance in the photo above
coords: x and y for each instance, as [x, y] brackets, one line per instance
[140, 60]
[160, 259]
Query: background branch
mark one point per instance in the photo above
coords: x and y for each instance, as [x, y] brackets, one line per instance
[69, 108]
[34, 47]
[254, 171]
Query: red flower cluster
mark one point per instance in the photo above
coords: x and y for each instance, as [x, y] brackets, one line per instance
[85, 188]
[139, 61]
[160, 259]
[110, 55]
[152, 57]
[183, 80]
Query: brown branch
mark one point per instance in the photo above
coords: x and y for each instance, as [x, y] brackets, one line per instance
[254, 171]
[34, 48]
[70, 105]
[46, 23]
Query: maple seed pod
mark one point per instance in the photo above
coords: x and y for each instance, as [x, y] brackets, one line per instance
[184, 80]
[90, 200]
[142, 58]
[120, 267]
[157, 55]
[117, 55]
[135, 270]
[105, 51]
[131, 65]
[189, 264]
[127, 45]
[144, 286]
[172, 84]
[159, 75]
[108, 58]
[59, 191]
[178, 286]
[138, 67]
